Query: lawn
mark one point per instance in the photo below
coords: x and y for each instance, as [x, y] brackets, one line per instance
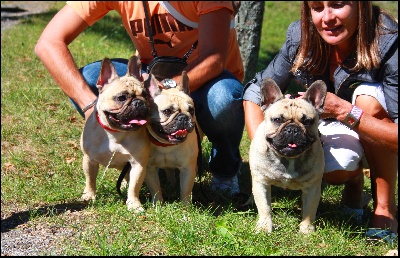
[42, 178]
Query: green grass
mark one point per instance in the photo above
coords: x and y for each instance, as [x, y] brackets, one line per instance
[42, 178]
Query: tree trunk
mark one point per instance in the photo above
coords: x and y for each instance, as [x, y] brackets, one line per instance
[248, 26]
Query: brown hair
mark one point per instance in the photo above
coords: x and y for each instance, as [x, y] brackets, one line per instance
[313, 52]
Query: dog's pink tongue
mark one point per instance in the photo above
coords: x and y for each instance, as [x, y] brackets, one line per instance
[292, 145]
[140, 122]
[180, 132]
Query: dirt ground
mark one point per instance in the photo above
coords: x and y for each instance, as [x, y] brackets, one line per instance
[18, 235]
[12, 12]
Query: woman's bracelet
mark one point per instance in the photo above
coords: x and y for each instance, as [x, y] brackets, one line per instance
[91, 104]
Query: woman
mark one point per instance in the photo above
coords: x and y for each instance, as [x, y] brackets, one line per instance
[352, 46]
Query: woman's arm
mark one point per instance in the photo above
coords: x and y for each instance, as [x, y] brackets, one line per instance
[378, 131]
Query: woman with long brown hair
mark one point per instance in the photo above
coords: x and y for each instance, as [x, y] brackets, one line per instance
[351, 46]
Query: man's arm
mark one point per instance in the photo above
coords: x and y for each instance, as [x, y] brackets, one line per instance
[214, 31]
[52, 49]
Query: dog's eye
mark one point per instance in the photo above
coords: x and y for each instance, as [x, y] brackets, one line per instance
[167, 112]
[277, 120]
[121, 98]
[308, 121]
[191, 111]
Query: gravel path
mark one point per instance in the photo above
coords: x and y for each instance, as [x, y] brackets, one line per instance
[12, 12]
[19, 235]
[22, 236]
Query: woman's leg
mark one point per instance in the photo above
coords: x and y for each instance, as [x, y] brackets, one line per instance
[343, 153]
[383, 166]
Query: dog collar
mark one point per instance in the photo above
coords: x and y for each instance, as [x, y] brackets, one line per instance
[156, 142]
[103, 125]
[168, 83]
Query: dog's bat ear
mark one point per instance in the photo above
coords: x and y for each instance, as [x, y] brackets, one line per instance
[134, 68]
[316, 94]
[183, 85]
[107, 74]
[270, 93]
[152, 86]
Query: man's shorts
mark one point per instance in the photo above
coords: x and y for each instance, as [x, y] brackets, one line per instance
[342, 147]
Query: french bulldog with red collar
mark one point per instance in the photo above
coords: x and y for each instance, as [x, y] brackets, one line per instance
[174, 140]
[115, 134]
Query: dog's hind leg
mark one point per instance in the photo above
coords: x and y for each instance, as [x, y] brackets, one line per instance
[170, 173]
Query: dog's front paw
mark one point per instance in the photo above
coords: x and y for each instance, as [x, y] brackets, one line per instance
[88, 196]
[264, 225]
[135, 206]
[306, 228]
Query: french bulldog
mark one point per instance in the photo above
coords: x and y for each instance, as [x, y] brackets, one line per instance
[286, 151]
[115, 133]
[171, 129]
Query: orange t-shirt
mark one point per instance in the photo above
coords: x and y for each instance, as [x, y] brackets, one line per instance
[171, 37]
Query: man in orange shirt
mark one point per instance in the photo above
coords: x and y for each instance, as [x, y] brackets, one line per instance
[215, 67]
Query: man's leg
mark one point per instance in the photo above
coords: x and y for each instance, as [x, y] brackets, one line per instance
[219, 112]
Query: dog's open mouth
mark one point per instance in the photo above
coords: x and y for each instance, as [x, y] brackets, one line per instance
[179, 135]
[176, 136]
[124, 122]
[290, 149]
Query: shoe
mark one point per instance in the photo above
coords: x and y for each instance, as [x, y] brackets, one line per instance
[230, 185]
[356, 214]
[381, 234]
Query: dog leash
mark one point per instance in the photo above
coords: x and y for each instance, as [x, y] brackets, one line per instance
[148, 25]
[109, 162]
[121, 176]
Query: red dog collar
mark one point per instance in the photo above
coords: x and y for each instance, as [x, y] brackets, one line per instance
[156, 142]
[103, 125]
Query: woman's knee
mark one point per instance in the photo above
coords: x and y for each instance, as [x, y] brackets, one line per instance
[371, 106]
[339, 177]
[370, 98]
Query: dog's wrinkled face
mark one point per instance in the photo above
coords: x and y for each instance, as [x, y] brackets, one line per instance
[291, 124]
[123, 101]
[172, 116]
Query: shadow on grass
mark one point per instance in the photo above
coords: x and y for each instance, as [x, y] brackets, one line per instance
[23, 217]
